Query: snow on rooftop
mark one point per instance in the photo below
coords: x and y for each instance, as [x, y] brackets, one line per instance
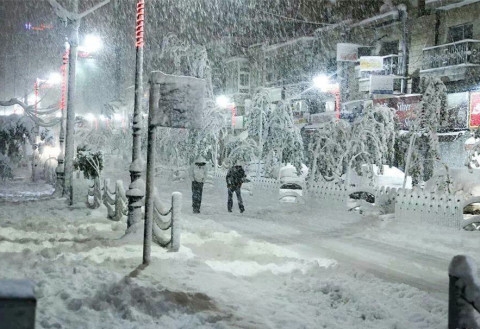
[458, 4]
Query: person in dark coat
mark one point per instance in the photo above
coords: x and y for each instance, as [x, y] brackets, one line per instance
[235, 178]
[198, 174]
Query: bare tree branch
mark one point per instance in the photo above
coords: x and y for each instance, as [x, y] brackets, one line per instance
[61, 12]
[89, 11]
[14, 101]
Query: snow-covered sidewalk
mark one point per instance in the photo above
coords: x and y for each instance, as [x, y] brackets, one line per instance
[24, 190]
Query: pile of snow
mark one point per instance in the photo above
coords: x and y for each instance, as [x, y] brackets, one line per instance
[289, 174]
[461, 179]
[371, 176]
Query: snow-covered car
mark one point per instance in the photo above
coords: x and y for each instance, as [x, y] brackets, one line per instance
[290, 192]
[292, 185]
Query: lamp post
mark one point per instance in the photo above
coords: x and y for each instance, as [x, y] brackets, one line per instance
[74, 18]
[60, 171]
[38, 84]
[136, 189]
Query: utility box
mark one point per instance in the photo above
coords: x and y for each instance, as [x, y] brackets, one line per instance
[17, 304]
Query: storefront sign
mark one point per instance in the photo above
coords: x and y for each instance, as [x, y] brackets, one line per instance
[474, 121]
[371, 63]
[457, 111]
[405, 108]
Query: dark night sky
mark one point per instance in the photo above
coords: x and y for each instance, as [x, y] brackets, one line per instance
[27, 54]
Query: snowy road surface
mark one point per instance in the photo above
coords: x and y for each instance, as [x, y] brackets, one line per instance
[335, 233]
[274, 266]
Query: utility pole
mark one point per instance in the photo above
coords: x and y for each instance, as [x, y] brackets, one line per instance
[74, 18]
[403, 17]
[136, 189]
[60, 171]
[70, 115]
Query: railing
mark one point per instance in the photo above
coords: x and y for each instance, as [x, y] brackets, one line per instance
[94, 195]
[117, 207]
[160, 224]
[450, 54]
[115, 201]
[463, 293]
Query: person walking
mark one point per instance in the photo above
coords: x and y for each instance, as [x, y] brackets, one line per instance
[198, 174]
[235, 178]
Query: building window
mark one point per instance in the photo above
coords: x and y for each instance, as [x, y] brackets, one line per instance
[460, 32]
[244, 80]
[269, 70]
[389, 48]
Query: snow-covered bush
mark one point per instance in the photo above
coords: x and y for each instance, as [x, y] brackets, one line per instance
[6, 171]
[90, 163]
[15, 130]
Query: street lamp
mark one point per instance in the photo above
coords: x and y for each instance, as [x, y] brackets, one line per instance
[91, 44]
[222, 101]
[74, 19]
[323, 83]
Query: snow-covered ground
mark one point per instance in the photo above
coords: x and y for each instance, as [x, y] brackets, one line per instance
[274, 266]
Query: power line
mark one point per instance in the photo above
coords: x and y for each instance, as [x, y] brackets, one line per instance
[293, 19]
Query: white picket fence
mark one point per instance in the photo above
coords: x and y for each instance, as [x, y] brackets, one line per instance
[437, 208]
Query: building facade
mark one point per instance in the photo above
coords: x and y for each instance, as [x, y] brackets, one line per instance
[381, 58]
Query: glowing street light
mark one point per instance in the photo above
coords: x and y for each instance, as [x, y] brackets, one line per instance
[55, 78]
[323, 83]
[92, 43]
[222, 101]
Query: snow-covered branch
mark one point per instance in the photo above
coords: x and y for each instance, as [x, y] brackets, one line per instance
[15, 101]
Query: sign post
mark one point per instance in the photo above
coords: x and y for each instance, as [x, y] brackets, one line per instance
[175, 102]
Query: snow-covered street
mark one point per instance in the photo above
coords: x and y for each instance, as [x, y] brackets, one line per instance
[274, 266]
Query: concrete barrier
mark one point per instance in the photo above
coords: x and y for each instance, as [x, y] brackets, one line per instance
[17, 304]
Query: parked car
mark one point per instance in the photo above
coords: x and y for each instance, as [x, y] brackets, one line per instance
[292, 184]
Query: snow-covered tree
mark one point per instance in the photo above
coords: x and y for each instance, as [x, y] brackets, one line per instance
[372, 138]
[258, 115]
[338, 145]
[423, 146]
[240, 150]
[327, 147]
[283, 137]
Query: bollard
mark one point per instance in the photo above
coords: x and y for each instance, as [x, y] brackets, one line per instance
[17, 304]
[463, 294]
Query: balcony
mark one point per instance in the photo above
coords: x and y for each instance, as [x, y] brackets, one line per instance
[455, 60]
[392, 65]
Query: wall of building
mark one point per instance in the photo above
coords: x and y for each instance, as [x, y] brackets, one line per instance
[458, 16]
[422, 34]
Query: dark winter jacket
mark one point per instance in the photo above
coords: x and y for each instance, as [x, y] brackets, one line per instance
[235, 177]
